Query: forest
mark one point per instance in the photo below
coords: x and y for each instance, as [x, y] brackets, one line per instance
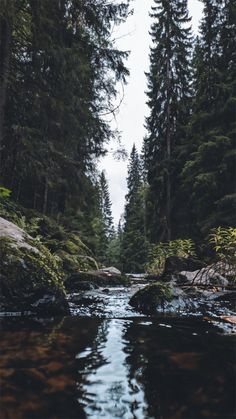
[60, 70]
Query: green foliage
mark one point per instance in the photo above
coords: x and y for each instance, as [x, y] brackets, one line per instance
[223, 241]
[158, 253]
[4, 192]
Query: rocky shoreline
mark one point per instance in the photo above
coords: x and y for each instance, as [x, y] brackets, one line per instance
[33, 282]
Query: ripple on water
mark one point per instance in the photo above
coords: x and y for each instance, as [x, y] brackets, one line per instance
[109, 390]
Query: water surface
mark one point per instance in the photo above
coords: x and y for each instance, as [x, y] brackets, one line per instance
[86, 367]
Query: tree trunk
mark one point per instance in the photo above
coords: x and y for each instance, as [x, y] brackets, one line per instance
[168, 145]
[5, 40]
[45, 198]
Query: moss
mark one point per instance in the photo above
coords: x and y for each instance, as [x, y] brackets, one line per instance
[65, 247]
[151, 296]
[75, 263]
[30, 268]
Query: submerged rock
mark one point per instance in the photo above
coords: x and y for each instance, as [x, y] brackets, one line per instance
[30, 279]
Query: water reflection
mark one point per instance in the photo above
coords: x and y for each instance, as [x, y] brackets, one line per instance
[163, 368]
[109, 390]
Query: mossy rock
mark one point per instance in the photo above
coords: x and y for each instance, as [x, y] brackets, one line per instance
[75, 263]
[147, 299]
[30, 279]
[67, 246]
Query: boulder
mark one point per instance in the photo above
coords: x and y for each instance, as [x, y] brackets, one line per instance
[30, 279]
[109, 271]
[149, 298]
[206, 277]
[188, 299]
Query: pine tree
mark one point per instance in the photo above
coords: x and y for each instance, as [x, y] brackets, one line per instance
[106, 206]
[58, 79]
[208, 175]
[169, 98]
[133, 244]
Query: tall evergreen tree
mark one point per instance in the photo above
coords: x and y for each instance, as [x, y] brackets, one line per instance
[58, 74]
[106, 206]
[169, 99]
[133, 244]
[208, 175]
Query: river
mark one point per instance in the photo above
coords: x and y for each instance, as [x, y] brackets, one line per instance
[108, 361]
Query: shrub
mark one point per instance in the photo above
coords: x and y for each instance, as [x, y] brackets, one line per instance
[158, 253]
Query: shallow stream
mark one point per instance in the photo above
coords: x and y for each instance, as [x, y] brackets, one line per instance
[108, 361]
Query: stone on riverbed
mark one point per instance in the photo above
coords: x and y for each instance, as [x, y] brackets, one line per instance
[109, 271]
[148, 298]
[30, 279]
[185, 299]
[206, 277]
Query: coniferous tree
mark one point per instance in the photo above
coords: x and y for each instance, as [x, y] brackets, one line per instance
[169, 99]
[58, 74]
[56, 95]
[106, 206]
[133, 244]
[208, 175]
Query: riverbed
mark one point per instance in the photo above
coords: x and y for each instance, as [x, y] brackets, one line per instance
[110, 361]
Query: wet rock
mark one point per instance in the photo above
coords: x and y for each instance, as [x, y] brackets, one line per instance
[171, 298]
[86, 300]
[106, 290]
[109, 271]
[148, 298]
[30, 279]
[205, 277]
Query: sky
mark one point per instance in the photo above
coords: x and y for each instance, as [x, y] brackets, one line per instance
[133, 36]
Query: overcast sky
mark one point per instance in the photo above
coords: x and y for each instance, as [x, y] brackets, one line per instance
[134, 36]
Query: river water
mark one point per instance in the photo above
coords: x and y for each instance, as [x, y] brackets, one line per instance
[108, 361]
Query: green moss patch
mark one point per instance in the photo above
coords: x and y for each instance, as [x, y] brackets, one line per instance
[28, 276]
[151, 296]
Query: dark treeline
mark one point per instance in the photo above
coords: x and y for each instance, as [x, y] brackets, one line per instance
[58, 73]
[59, 68]
[189, 150]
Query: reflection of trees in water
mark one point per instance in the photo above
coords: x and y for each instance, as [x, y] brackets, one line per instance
[38, 366]
[184, 375]
[107, 389]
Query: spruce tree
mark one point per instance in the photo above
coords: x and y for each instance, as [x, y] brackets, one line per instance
[57, 80]
[208, 175]
[133, 244]
[169, 98]
[106, 206]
